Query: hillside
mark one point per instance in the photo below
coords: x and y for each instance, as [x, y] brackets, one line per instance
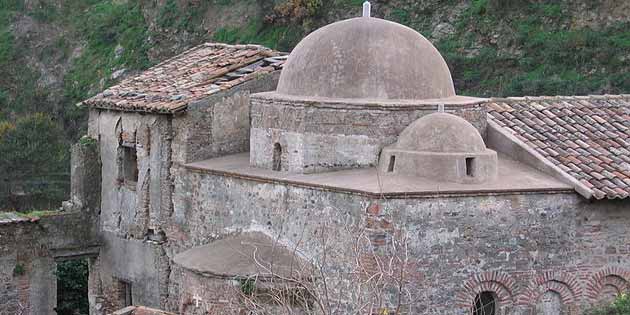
[54, 54]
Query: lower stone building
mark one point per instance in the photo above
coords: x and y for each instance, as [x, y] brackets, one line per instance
[349, 178]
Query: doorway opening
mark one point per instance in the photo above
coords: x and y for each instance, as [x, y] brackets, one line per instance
[72, 287]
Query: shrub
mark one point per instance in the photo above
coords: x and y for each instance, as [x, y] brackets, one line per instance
[620, 306]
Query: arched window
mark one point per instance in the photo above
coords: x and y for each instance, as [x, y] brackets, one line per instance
[277, 157]
[485, 304]
[550, 303]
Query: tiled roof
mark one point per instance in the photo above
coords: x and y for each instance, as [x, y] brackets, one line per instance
[588, 137]
[197, 73]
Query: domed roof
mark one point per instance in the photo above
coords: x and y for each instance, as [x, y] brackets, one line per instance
[441, 132]
[366, 58]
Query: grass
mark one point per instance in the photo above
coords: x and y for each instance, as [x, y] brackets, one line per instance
[38, 213]
[28, 214]
[6, 38]
[552, 59]
[107, 25]
[168, 14]
[256, 32]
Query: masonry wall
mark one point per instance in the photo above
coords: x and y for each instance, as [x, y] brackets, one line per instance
[534, 251]
[317, 136]
[218, 125]
[29, 250]
[133, 209]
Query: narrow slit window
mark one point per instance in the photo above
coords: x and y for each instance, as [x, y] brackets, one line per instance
[470, 166]
[392, 163]
[130, 164]
[277, 157]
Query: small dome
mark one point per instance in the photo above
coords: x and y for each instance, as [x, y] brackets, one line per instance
[441, 132]
[366, 58]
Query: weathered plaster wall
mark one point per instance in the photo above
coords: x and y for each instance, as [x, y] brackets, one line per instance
[127, 208]
[85, 192]
[132, 213]
[519, 245]
[317, 136]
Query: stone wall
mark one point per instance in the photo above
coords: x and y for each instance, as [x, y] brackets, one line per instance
[318, 136]
[28, 251]
[219, 124]
[520, 246]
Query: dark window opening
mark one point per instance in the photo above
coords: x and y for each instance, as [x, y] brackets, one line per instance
[277, 157]
[129, 164]
[124, 293]
[72, 287]
[485, 304]
[470, 166]
[392, 162]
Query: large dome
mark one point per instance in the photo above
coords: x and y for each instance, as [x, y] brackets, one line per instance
[441, 132]
[366, 58]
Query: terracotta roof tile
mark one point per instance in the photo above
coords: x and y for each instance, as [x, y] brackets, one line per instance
[190, 76]
[586, 136]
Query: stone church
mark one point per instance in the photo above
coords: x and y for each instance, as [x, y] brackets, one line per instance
[348, 177]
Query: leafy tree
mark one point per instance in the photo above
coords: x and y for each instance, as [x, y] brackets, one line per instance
[31, 148]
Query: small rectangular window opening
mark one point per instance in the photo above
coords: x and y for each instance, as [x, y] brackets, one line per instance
[470, 165]
[130, 164]
[277, 157]
[392, 163]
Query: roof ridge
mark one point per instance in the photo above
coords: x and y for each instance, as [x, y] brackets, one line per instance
[237, 46]
[512, 99]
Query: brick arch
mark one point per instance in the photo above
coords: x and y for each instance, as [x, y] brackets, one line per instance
[617, 277]
[565, 284]
[500, 283]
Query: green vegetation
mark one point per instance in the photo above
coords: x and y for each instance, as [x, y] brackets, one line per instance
[28, 214]
[39, 124]
[106, 26]
[87, 141]
[33, 159]
[248, 286]
[168, 14]
[551, 59]
[257, 32]
[620, 306]
[38, 213]
[72, 287]
[18, 270]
